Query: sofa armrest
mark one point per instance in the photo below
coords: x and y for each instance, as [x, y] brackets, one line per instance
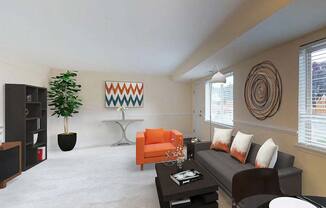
[178, 136]
[290, 180]
[201, 146]
[140, 143]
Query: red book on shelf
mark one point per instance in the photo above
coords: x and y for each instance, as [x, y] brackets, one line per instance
[39, 154]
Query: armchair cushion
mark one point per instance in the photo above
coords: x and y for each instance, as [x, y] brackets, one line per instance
[157, 150]
[154, 136]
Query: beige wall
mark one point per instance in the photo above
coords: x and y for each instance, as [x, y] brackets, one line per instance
[283, 126]
[20, 74]
[167, 104]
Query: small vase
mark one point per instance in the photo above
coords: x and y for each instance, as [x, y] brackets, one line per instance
[179, 165]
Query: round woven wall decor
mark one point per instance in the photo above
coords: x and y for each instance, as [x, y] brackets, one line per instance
[263, 90]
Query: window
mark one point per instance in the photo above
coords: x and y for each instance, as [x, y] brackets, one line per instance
[312, 95]
[222, 101]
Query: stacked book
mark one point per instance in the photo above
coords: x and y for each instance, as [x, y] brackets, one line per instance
[186, 176]
[180, 203]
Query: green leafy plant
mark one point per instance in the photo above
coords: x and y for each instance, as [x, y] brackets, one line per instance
[63, 96]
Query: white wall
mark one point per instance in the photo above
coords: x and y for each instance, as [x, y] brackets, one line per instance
[19, 74]
[283, 126]
[167, 104]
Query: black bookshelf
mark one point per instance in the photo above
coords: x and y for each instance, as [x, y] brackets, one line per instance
[26, 115]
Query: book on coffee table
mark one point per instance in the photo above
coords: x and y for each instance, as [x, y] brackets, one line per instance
[186, 176]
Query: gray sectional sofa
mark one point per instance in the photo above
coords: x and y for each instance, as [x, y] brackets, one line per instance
[224, 167]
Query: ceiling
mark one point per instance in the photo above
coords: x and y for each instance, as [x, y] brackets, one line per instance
[145, 36]
[294, 20]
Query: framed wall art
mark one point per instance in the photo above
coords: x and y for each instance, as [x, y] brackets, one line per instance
[124, 94]
[263, 90]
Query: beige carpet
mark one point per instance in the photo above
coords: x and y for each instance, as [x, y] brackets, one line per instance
[85, 178]
[102, 177]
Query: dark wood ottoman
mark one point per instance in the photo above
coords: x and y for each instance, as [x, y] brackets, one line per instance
[202, 192]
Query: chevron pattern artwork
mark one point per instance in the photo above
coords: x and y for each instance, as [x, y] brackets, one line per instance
[125, 94]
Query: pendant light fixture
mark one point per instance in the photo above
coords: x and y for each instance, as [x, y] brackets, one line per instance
[218, 77]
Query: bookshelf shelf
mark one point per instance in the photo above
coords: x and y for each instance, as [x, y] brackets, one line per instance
[32, 118]
[38, 130]
[25, 116]
[40, 144]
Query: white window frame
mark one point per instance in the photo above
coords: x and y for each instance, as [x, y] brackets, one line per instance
[208, 88]
[309, 121]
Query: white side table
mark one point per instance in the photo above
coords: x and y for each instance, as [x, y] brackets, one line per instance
[123, 124]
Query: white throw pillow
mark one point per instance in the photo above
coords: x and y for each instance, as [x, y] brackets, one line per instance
[267, 155]
[241, 146]
[222, 139]
[274, 158]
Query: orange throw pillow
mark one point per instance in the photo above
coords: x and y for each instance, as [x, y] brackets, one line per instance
[154, 136]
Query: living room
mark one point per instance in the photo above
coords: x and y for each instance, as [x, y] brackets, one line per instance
[242, 70]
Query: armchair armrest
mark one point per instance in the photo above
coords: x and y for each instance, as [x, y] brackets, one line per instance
[178, 136]
[140, 143]
[201, 146]
[290, 180]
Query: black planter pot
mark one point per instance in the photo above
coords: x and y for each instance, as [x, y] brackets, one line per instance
[67, 142]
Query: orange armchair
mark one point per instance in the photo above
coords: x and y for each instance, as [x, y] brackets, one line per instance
[153, 144]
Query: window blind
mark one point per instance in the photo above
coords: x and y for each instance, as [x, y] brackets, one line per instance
[222, 101]
[312, 95]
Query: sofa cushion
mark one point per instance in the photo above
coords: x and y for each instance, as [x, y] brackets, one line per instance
[154, 136]
[222, 165]
[284, 160]
[157, 150]
[251, 158]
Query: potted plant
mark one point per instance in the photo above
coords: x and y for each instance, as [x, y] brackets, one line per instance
[64, 102]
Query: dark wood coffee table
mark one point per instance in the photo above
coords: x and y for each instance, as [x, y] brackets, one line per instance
[202, 192]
